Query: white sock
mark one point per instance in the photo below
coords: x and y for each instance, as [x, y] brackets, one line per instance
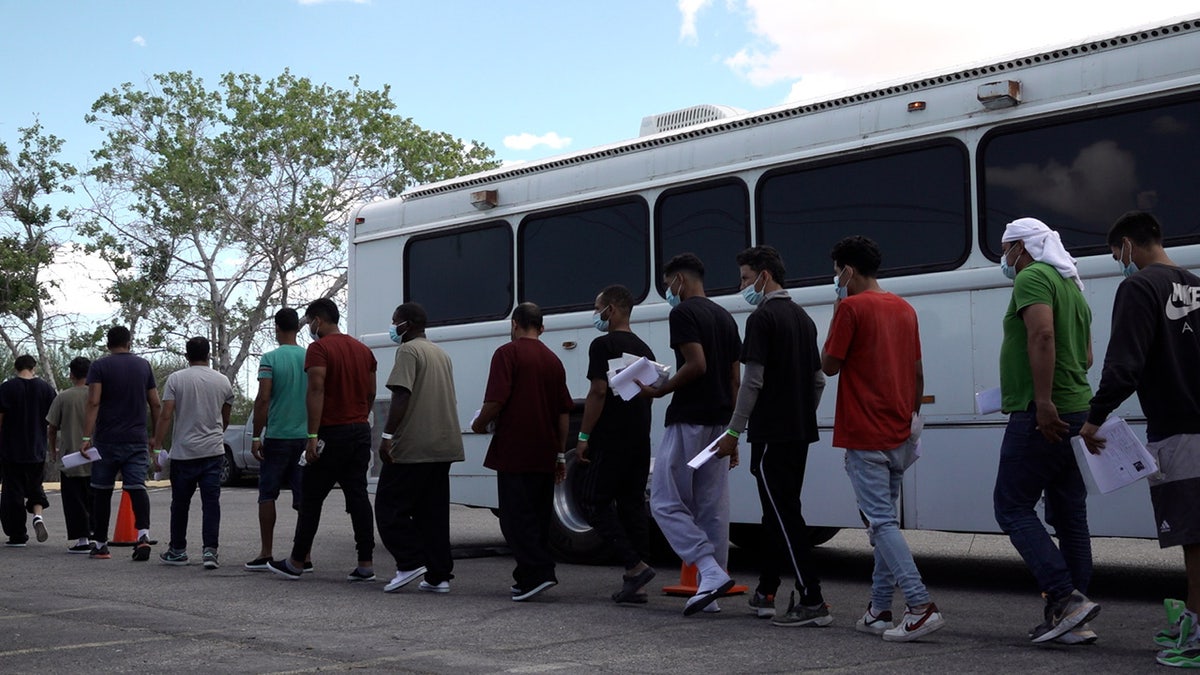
[144, 533]
[82, 541]
[709, 572]
[37, 518]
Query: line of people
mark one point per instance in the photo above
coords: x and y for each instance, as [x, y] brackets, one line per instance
[313, 404]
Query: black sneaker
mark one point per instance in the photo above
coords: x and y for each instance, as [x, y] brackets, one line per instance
[14, 542]
[100, 552]
[281, 568]
[39, 528]
[358, 575]
[1064, 614]
[524, 594]
[763, 606]
[141, 552]
[257, 565]
[308, 568]
[80, 548]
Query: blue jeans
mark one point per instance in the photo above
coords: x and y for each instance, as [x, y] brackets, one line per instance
[1030, 466]
[186, 476]
[875, 476]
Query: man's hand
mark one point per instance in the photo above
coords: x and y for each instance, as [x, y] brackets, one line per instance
[256, 450]
[727, 446]
[385, 455]
[1052, 426]
[581, 448]
[560, 472]
[310, 453]
[647, 390]
[1093, 442]
[154, 465]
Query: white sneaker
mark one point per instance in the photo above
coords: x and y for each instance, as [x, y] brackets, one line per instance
[402, 579]
[439, 587]
[915, 625]
[712, 608]
[873, 623]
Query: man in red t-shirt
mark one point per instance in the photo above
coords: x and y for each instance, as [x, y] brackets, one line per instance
[527, 398]
[341, 391]
[874, 344]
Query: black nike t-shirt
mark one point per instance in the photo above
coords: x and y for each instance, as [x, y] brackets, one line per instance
[623, 425]
[708, 400]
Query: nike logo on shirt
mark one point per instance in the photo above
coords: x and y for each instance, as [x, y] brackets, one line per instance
[1183, 301]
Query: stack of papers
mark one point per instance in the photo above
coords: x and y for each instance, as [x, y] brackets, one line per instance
[625, 373]
[80, 458]
[1123, 460]
[704, 455]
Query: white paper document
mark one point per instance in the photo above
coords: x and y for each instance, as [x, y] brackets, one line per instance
[624, 382]
[79, 458]
[988, 401]
[704, 455]
[491, 427]
[1123, 460]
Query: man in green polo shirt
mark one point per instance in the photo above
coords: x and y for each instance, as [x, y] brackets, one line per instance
[1044, 358]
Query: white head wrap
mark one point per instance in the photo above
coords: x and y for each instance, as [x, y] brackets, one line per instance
[1043, 245]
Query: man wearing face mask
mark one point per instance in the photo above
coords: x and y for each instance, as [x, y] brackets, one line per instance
[781, 387]
[614, 439]
[875, 345]
[1155, 351]
[691, 506]
[341, 391]
[420, 440]
[1044, 357]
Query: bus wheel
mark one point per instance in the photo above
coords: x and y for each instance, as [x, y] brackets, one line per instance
[572, 538]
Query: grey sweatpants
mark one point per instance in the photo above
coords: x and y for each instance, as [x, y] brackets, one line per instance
[691, 506]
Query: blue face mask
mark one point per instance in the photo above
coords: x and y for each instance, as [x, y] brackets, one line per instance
[752, 295]
[841, 291]
[672, 299]
[1127, 268]
[600, 323]
[312, 333]
[394, 333]
[1007, 270]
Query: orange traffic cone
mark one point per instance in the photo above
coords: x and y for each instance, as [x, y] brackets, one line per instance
[689, 583]
[125, 533]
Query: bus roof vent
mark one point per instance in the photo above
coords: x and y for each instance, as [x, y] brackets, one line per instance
[686, 117]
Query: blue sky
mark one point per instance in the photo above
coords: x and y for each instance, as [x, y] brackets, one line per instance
[570, 73]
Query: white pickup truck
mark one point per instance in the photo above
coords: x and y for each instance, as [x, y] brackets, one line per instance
[239, 461]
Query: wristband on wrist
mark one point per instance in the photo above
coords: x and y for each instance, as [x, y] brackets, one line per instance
[583, 436]
[731, 432]
[256, 439]
[85, 438]
[386, 436]
[312, 435]
[562, 458]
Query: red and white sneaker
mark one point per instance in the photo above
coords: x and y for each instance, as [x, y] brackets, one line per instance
[915, 625]
[873, 623]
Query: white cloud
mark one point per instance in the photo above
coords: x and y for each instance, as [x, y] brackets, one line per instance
[689, 9]
[139, 41]
[82, 280]
[527, 141]
[822, 48]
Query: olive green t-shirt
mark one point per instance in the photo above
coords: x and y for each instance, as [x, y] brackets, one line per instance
[1040, 283]
[66, 414]
[429, 430]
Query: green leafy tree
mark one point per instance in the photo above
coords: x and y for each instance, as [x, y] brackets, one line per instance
[31, 235]
[215, 206]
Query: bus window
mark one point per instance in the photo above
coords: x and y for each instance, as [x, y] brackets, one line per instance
[1080, 173]
[462, 275]
[710, 220]
[565, 257]
[913, 203]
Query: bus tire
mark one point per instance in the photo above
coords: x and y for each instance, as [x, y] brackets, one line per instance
[572, 537]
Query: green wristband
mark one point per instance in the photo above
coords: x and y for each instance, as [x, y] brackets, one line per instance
[731, 432]
[312, 435]
[583, 436]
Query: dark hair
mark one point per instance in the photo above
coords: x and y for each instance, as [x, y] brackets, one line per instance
[618, 296]
[287, 320]
[527, 315]
[197, 349]
[764, 259]
[1141, 228]
[25, 362]
[414, 314]
[80, 366]
[858, 252]
[323, 309]
[684, 262]
[118, 336]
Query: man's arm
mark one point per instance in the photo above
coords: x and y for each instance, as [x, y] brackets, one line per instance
[694, 367]
[89, 414]
[1039, 332]
[156, 406]
[314, 404]
[396, 412]
[163, 425]
[51, 439]
[262, 407]
[487, 414]
[226, 409]
[593, 406]
[747, 398]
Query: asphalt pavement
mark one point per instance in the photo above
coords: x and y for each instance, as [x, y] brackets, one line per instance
[65, 613]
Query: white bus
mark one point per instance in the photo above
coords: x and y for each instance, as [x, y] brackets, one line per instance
[932, 169]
